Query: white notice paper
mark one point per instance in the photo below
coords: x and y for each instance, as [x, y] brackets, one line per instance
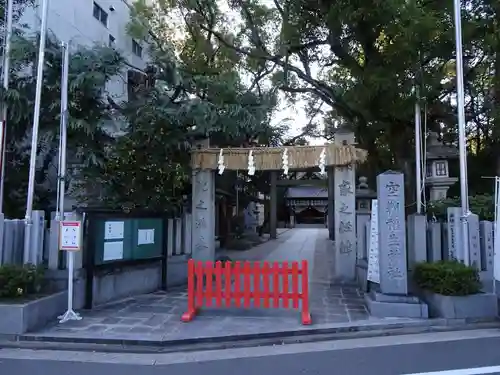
[113, 230]
[145, 236]
[113, 250]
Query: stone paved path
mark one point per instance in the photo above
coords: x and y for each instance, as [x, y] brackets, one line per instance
[156, 316]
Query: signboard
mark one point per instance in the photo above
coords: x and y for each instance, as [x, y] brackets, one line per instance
[70, 235]
[373, 250]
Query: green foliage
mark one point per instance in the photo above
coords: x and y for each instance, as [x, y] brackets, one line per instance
[193, 90]
[449, 278]
[482, 205]
[354, 62]
[200, 78]
[90, 69]
[20, 281]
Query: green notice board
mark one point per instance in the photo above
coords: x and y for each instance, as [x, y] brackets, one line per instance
[128, 239]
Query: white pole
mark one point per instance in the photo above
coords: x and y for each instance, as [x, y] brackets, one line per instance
[6, 73]
[418, 155]
[462, 147]
[63, 124]
[69, 314]
[496, 237]
[34, 135]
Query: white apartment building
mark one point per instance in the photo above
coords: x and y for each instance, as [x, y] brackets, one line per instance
[86, 22]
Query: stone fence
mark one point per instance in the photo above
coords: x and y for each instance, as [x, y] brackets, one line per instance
[386, 233]
[433, 242]
[45, 240]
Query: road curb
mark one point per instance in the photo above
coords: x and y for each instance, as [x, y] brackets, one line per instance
[103, 344]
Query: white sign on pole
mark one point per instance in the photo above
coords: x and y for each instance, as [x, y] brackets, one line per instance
[373, 251]
[70, 235]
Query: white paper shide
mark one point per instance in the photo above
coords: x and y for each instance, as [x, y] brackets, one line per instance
[284, 159]
[251, 164]
[220, 162]
[322, 161]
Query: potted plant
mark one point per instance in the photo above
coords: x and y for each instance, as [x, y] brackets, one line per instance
[453, 290]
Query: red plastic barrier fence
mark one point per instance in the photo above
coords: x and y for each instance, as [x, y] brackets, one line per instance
[222, 284]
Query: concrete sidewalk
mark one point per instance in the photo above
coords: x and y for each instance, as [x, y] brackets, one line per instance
[154, 319]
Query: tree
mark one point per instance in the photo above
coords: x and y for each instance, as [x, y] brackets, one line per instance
[192, 89]
[89, 70]
[360, 61]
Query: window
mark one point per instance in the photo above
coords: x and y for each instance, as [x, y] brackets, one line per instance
[441, 168]
[111, 41]
[100, 14]
[136, 48]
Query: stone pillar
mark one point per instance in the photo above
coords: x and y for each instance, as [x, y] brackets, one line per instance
[486, 246]
[362, 219]
[417, 239]
[203, 215]
[273, 214]
[434, 242]
[331, 202]
[474, 248]
[392, 233]
[454, 237]
[394, 299]
[345, 215]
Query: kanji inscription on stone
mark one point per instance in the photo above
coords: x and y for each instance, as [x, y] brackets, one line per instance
[344, 209]
[345, 223]
[392, 233]
[345, 188]
[345, 226]
[392, 189]
[346, 247]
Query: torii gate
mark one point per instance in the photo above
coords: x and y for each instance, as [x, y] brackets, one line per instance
[338, 159]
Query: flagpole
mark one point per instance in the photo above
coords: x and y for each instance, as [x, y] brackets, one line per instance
[6, 73]
[462, 147]
[418, 152]
[28, 253]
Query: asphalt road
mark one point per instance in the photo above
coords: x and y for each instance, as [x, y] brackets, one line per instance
[457, 353]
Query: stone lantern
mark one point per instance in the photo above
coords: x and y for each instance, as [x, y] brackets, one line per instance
[437, 169]
[364, 195]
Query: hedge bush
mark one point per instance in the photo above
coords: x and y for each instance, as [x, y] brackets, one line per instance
[19, 281]
[449, 278]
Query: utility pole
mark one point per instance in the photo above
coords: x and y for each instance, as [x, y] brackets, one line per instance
[28, 253]
[6, 73]
[462, 145]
